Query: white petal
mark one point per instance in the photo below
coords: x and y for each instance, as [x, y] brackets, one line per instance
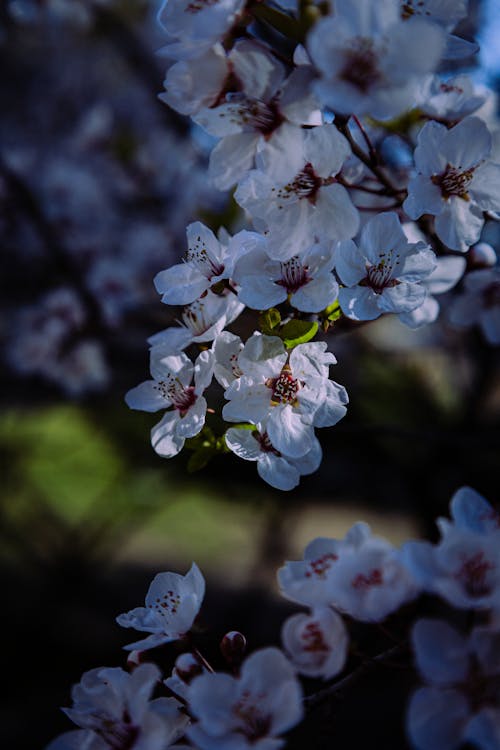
[350, 263]
[359, 303]
[278, 472]
[164, 439]
[180, 284]
[147, 397]
[440, 651]
[231, 159]
[459, 225]
[467, 144]
[289, 432]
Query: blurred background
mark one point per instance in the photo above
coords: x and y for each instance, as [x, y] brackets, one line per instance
[98, 180]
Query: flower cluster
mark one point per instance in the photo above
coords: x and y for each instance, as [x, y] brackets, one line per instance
[341, 225]
[359, 578]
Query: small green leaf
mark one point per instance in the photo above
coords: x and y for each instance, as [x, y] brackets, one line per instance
[297, 332]
[199, 459]
[269, 321]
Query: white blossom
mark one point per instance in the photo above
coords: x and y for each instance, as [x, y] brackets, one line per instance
[248, 712]
[384, 273]
[172, 603]
[316, 643]
[455, 180]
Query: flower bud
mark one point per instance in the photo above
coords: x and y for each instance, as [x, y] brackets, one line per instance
[233, 647]
[481, 255]
[133, 659]
[187, 667]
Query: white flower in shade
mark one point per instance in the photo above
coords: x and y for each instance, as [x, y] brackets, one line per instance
[463, 568]
[191, 85]
[201, 321]
[293, 194]
[226, 348]
[455, 181]
[369, 60]
[290, 393]
[278, 470]
[172, 389]
[251, 113]
[471, 511]
[194, 26]
[307, 581]
[448, 272]
[451, 100]
[207, 261]
[248, 712]
[384, 273]
[114, 710]
[306, 279]
[172, 603]
[316, 643]
[369, 581]
[479, 304]
[446, 13]
[461, 700]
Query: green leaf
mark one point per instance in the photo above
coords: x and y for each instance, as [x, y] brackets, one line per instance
[269, 321]
[297, 332]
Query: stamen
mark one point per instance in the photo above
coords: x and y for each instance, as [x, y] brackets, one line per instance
[453, 182]
[304, 185]
[200, 257]
[361, 65]
[284, 388]
[293, 275]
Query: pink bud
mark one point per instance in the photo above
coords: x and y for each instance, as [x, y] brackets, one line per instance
[233, 647]
[134, 659]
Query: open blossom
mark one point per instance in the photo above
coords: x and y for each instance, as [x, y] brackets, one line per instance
[251, 111]
[203, 320]
[207, 262]
[115, 712]
[194, 26]
[248, 712]
[290, 393]
[280, 471]
[293, 195]
[471, 511]
[305, 279]
[316, 643]
[384, 273]
[460, 702]
[172, 603]
[370, 61]
[479, 304]
[452, 99]
[446, 13]
[456, 180]
[361, 575]
[172, 389]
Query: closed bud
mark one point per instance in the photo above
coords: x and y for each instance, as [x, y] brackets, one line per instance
[133, 659]
[233, 647]
[187, 667]
[481, 255]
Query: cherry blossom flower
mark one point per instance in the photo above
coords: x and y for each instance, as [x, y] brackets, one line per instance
[384, 273]
[115, 712]
[194, 26]
[251, 114]
[471, 511]
[246, 712]
[316, 643]
[291, 394]
[446, 13]
[172, 603]
[292, 193]
[451, 100]
[369, 60]
[455, 181]
[278, 470]
[172, 388]
[191, 85]
[479, 304]
[207, 262]
[203, 320]
[461, 699]
[305, 279]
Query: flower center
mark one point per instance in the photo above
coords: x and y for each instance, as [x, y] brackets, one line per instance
[194, 317]
[472, 575]
[453, 182]
[167, 604]
[321, 565]
[182, 398]
[255, 114]
[195, 6]
[364, 582]
[284, 388]
[312, 637]
[379, 276]
[293, 275]
[199, 256]
[304, 185]
[361, 65]
[118, 735]
[252, 722]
